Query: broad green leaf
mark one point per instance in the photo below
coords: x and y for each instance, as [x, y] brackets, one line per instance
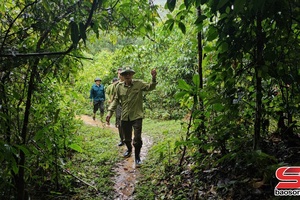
[82, 32]
[76, 147]
[179, 95]
[182, 27]
[182, 7]
[223, 47]
[183, 85]
[170, 24]
[74, 33]
[196, 80]
[14, 166]
[212, 33]
[200, 19]
[169, 16]
[171, 4]
[95, 29]
[228, 10]
[207, 48]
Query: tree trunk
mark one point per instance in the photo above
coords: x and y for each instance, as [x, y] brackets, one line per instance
[201, 127]
[19, 178]
[5, 108]
[258, 78]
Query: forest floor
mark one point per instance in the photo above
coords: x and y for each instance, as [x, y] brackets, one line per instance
[126, 174]
[240, 175]
[99, 172]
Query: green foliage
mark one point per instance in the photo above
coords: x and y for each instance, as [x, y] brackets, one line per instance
[251, 78]
[240, 75]
[161, 158]
[41, 43]
[172, 62]
[94, 164]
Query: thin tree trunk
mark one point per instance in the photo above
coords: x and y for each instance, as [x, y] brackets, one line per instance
[4, 102]
[258, 78]
[20, 182]
[200, 71]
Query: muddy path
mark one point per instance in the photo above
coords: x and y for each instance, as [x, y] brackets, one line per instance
[126, 174]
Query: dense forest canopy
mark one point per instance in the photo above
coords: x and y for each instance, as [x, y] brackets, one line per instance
[228, 71]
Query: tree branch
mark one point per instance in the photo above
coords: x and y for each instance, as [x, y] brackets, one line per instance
[42, 54]
[12, 23]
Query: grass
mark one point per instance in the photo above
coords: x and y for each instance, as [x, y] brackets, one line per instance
[94, 165]
[160, 157]
[159, 177]
[100, 154]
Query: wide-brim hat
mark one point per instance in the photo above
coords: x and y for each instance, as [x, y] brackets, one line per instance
[127, 70]
[97, 79]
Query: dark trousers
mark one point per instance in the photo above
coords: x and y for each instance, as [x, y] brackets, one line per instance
[118, 122]
[99, 105]
[127, 127]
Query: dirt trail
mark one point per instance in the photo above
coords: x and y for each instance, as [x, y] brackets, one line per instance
[126, 173]
[88, 120]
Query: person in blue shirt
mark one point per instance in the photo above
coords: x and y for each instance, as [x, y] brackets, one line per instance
[97, 98]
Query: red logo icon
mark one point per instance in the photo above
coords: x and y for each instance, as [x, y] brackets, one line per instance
[289, 177]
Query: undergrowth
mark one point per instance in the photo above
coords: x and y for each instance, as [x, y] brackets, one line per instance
[241, 173]
[94, 165]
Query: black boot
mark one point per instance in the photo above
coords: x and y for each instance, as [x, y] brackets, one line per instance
[121, 143]
[129, 150]
[137, 152]
[127, 154]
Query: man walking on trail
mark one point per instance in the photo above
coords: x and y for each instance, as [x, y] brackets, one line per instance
[130, 95]
[119, 110]
[97, 98]
[110, 93]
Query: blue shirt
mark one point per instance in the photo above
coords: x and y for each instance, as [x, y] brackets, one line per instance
[97, 93]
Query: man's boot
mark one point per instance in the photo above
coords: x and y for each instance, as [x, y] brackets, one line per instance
[121, 143]
[129, 150]
[137, 151]
[94, 116]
